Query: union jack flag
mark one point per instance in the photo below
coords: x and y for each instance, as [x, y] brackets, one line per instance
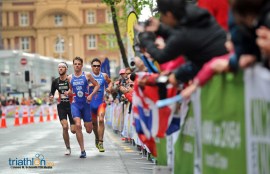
[151, 121]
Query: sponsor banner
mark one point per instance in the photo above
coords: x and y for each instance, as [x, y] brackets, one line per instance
[184, 145]
[223, 125]
[257, 102]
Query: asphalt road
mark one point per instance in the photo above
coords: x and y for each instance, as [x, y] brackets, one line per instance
[22, 145]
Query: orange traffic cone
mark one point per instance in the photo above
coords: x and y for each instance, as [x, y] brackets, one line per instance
[54, 114]
[31, 116]
[17, 119]
[25, 116]
[3, 119]
[48, 115]
[40, 117]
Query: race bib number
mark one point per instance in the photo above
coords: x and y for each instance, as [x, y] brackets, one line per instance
[80, 94]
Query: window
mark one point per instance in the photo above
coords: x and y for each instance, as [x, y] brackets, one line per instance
[59, 45]
[109, 16]
[91, 17]
[111, 41]
[92, 41]
[58, 20]
[24, 19]
[25, 43]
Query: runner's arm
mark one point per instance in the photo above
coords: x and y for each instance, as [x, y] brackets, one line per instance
[109, 82]
[91, 79]
[53, 89]
[69, 92]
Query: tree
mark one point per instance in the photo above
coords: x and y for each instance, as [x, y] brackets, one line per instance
[112, 4]
[137, 5]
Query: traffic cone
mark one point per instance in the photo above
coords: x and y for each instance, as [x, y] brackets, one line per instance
[3, 119]
[32, 116]
[48, 115]
[54, 114]
[40, 117]
[17, 119]
[25, 116]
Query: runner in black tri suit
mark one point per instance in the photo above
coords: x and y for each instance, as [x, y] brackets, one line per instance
[61, 84]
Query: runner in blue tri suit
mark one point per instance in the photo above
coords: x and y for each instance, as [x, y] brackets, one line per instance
[98, 106]
[80, 106]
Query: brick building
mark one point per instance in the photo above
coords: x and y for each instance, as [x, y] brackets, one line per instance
[59, 28]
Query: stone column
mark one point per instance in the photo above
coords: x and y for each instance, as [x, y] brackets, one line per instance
[11, 19]
[5, 43]
[12, 43]
[4, 19]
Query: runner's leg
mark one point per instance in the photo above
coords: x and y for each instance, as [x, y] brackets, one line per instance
[76, 114]
[71, 122]
[95, 127]
[65, 132]
[79, 134]
[101, 125]
[62, 113]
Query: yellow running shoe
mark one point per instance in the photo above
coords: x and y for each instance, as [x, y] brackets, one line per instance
[97, 144]
[100, 147]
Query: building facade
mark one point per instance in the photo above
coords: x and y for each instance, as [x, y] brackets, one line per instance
[59, 28]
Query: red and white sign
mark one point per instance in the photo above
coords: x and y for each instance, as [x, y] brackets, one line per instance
[23, 61]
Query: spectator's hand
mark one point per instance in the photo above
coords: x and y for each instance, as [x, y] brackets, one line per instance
[187, 92]
[139, 28]
[108, 90]
[246, 60]
[153, 25]
[172, 79]
[220, 65]
[123, 89]
[142, 82]
[160, 43]
[263, 40]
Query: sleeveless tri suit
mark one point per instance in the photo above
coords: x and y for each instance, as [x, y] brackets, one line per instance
[80, 107]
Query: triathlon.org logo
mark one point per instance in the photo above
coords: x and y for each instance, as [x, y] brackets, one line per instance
[38, 162]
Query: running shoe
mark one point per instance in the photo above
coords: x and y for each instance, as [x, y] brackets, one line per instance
[68, 151]
[96, 143]
[100, 147]
[83, 154]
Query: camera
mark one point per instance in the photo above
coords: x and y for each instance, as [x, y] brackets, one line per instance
[122, 82]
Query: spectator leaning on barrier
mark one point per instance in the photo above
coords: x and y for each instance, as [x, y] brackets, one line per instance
[187, 30]
[263, 41]
[121, 82]
[248, 24]
[250, 16]
[128, 89]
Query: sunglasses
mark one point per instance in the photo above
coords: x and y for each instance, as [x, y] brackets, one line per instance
[96, 66]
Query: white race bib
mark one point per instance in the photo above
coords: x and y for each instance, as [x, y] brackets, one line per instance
[80, 94]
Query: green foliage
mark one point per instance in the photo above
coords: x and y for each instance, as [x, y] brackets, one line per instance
[111, 2]
[136, 5]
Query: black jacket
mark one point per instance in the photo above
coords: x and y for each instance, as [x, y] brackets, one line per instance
[197, 36]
